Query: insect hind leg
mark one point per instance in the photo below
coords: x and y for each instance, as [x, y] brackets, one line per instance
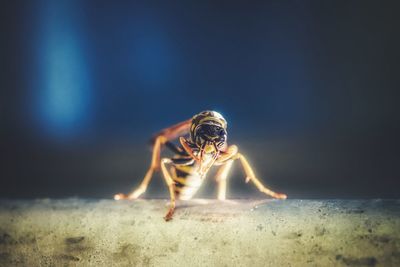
[160, 139]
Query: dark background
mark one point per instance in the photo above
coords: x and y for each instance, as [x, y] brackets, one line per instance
[310, 90]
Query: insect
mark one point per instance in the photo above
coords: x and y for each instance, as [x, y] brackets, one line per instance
[205, 146]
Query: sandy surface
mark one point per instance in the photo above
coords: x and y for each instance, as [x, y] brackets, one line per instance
[79, 232]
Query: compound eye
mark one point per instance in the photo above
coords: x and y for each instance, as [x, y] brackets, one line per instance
[221, 132]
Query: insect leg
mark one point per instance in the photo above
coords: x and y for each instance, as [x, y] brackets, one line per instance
[161, 138]
[146, 180]
[188, 149]
[171, 185]
[221, 177]
[251, 177]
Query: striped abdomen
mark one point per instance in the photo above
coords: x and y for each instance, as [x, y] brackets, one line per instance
[187, 181]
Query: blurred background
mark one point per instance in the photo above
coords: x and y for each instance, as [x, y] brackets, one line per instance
[310, 90]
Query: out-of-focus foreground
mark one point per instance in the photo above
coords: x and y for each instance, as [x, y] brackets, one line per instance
[203, 232]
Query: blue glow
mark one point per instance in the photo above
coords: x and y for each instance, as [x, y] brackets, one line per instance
[64, 88]
[152, 59]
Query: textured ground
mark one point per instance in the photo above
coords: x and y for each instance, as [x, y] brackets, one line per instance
[76, 232]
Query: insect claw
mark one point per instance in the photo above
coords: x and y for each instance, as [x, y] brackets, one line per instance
[280, 196]
[119, 196]
[169, 214]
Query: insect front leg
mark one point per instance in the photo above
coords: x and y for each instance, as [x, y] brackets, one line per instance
[250, 176]
[171, 187]
[221, 177]
[226, 160]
